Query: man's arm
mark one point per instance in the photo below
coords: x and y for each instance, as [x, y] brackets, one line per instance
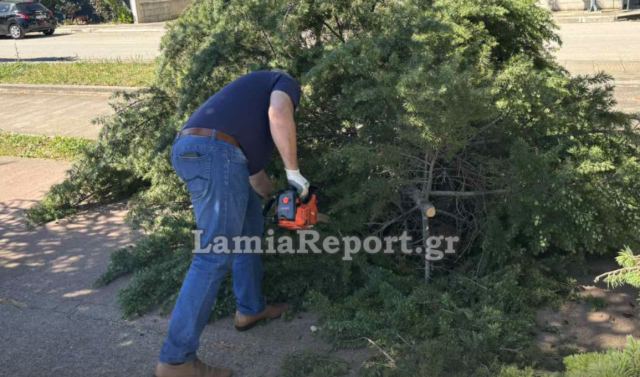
[283, 132]
[283, 128]
[261, 184]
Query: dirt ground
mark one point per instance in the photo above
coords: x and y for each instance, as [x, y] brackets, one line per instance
[597, 319]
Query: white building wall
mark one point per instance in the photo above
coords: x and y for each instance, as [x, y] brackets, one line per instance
[580, 4]
[157, 10]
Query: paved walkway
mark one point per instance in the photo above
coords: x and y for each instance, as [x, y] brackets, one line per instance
[53, 113]
[55, 323]
[27, 179]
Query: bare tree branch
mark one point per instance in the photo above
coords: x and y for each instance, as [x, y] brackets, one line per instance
[467, 193]
[338, 35]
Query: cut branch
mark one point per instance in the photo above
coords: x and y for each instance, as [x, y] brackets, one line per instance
[617, 272]
[467, 193]
[426, 208]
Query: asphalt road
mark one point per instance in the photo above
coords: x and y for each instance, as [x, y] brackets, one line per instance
[609, 43]
[612, 47]
[129, 42]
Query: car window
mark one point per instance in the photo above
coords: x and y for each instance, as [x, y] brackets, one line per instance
[4, 8]
[30, 7]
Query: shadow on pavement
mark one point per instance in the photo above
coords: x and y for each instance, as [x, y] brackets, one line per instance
[40, 60]
[66, 256]
[37, 36]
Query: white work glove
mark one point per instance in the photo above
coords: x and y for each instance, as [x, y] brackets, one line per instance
[299, 182]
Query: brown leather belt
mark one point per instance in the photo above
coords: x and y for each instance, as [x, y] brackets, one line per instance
[208, 132]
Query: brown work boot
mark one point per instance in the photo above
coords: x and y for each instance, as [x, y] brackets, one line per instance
[195, 368]
[245, 322]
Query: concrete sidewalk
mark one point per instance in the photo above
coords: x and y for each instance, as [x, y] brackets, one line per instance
[627, 95]
[56, 110]
[53, 111]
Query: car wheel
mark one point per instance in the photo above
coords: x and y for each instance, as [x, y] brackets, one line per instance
[16, 31]
[49, 32]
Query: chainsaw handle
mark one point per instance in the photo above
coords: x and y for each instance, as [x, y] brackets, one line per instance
[268, 205]
[312, 191]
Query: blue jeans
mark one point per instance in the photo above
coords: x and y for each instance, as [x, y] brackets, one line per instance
[224, 204]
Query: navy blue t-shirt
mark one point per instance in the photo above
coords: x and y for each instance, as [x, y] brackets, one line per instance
[240, 109]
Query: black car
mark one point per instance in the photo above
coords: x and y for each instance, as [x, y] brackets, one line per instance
[16, 19]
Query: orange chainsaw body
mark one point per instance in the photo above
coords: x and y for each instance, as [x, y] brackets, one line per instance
[295, 214]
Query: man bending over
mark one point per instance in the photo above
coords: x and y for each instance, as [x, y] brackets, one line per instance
[220, 154]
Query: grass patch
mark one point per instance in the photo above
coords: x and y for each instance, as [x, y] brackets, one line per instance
[34, 146]
[109, 73]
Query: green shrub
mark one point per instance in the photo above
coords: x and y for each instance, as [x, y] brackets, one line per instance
[102, 10]
[112, 11]
[67, 8]
[612, 363]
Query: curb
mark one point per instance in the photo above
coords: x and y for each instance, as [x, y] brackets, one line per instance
[573, 17]
[66, 89]
[99, 30]
[584, 19]
[155, 27]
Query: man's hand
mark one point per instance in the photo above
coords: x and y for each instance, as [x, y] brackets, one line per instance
[299, 182]
[261, 184]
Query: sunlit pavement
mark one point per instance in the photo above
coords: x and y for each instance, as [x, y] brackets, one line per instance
[612, 47]
[53, 113]
[91, 42]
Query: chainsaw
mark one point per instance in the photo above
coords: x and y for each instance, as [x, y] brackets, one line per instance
[294, 213]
